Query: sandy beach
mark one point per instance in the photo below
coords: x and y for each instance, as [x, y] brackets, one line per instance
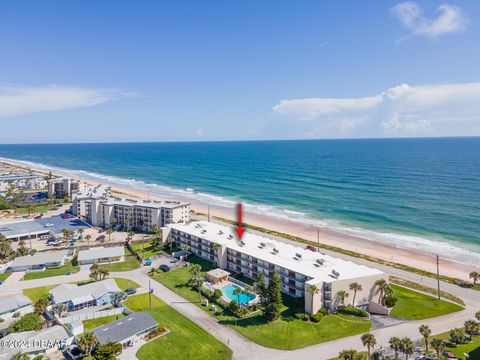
[410, 257]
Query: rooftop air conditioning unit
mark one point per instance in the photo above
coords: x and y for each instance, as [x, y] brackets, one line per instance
[230, 236]
[320, 261]
[275, 251]
[262, 244]
[298, 255]
[220, 232]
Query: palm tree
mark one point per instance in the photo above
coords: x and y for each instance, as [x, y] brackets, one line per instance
[348, 354]
[312, 290]
[342, 294]
[369, 341]
[381, 285]
[395, 345]
[238, 291]
[407, 347]
[438, 345]
[426, 332]
[471, 327]
[41, 304]
[475, 276]
[20, 356]
[130, 235]
[65, 234]
[81, 231]
[88, 238]
[185, 248]
[127, 222]
[87, 342]
[59, 309]
[215, 248]
[94, 272]
[195, 271]
[109, 233]
[355, 287]
[103, 273]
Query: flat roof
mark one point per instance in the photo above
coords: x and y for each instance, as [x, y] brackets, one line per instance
[13, 303]
[124, 328]
[145, 203]
[77, 293]
[40, 258]
[37, 226]
[100, 253]
[318, 266]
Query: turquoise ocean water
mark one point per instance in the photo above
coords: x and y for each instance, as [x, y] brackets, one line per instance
[419, 193]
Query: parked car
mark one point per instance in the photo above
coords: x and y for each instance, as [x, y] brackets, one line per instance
[131, 291]
[101, 238]
[37, 217]
[311, 248]
[147, 262]
[68, 216]
[449, 354]
[164, 268]
[74, 353]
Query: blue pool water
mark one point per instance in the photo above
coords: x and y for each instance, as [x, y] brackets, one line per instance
[243, 298]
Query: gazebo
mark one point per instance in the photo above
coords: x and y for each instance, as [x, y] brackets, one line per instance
[217, 275]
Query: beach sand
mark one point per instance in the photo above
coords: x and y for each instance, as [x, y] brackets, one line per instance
[410, 257]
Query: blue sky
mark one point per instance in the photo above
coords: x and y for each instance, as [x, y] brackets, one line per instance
[92, 71]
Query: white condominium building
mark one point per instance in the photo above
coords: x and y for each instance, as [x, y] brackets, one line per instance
[100, 208]
[299, 269]
[61, 187]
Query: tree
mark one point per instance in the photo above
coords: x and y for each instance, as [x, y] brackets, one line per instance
[274, 295]
[59, 309]
[185, 248]
[103, 273]
[381, 286]
[22, 249]
[395, 344]
[65, 234]
[117, 298]
[312, 290]
[87, 342]
[195, 271]
[238, 291]
[369, 341]
[130, 235]
[477, 315]
[342, 295]
[348, 354]
[5, 247]
[41, 304]
[475, 276]
[94, 272]
[426, 332]
[457, 335]
[20, 356]
[407, 347]
[81, 231]
[215, 248]
[355, 287]
[261, 290]
[109, 233]
[155, 244]
[27, 322]
[471, 327]
[108, 351]
[438, 345]
[88, 238]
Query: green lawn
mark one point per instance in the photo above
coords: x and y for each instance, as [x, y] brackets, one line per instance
[471, 348]
[4, 276]
[285, 333]
[144, 250]
[94, 323]
[185, 341]
[130, 263]
[37, 292]
[124, 284]
[413, 305]
[64, 270]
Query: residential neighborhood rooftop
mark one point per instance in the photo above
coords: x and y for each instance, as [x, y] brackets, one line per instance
[101, 253]
[13, 303]
[39, 258]
[80, 293]
[124, 328]
[316, 265]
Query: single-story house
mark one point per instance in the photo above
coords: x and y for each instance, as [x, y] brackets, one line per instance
[77, 297]
[41, 342]
[13, 304]
[76, 327]
[101, 255]
[127, 330]
[39, 261]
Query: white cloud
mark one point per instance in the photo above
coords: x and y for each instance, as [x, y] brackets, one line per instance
[451, 19]
[403, 110]
[21, 100]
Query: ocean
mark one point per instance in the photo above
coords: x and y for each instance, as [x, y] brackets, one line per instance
[417, 193]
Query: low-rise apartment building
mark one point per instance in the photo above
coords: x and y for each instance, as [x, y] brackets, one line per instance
[100, 208]
[300, 270]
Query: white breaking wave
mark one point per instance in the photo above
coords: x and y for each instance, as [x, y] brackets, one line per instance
[455, 250]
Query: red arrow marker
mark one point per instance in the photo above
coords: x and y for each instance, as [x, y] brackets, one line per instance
[240, 230]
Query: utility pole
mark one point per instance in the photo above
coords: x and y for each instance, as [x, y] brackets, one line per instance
[318, 239]
[150, 294]
[438, 279]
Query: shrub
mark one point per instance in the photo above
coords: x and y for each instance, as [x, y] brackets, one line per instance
[316, 318]
[27, 322]
[155, 332]
[390, 300]
[458, 336]
[217, 295]
[351, 310]
[299, 316]
[2, 319]
[323, 311]
[233, 307]
[16, 315]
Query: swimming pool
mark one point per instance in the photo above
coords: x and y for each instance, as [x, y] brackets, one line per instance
[243, 298]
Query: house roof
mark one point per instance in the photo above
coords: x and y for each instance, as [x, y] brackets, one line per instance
[79, 294]
[39, 258]
[100, 253]
[39, 340]
[124, 328]
[218, 273]
[13, 303]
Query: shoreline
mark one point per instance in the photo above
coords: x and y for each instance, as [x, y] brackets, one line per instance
[369, 247]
